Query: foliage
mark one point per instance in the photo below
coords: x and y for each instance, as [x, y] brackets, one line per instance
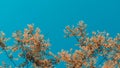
[91, 48]
[34, 50]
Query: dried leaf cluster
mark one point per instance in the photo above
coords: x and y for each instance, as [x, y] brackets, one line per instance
[99, 44]
[34, 51]
[31, 46]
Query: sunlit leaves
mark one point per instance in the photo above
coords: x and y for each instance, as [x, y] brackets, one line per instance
[31, 46]
[91, 47]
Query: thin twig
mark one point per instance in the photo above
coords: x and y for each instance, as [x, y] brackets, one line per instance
[10, 58]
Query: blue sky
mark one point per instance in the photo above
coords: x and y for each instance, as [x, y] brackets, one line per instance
[53, 15]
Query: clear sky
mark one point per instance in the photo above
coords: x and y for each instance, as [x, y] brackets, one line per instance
[53, 15]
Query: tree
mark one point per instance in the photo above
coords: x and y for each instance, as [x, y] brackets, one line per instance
[31, 46]
[34, 51]
[91, 48]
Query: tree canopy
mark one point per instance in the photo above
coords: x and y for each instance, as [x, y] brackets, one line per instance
[34, 49]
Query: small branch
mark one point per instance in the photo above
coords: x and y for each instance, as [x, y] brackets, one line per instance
[102, 60]
[10, 58]
[76, 38]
